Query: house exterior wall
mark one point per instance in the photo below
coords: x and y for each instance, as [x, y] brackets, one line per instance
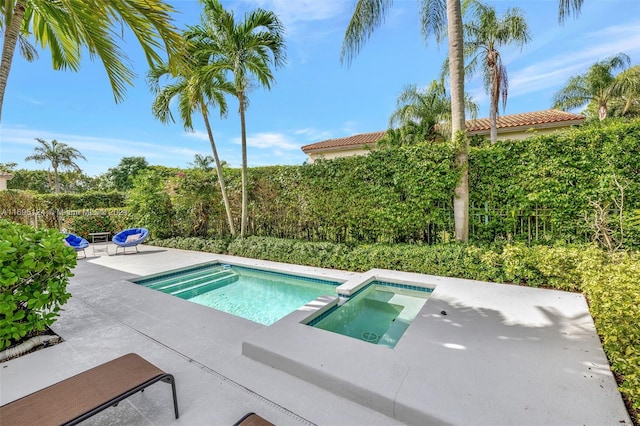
[3, 181]
[330, 155]
[524, 134]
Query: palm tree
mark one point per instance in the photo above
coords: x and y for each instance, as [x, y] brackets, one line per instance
[629, 87]
[597, 85]
[245, 49]
[202, 162]
[195, 92]
[425, 114]
[626, 103]
[484, 35]
[67, 27]
[437, 16]
[59, 154]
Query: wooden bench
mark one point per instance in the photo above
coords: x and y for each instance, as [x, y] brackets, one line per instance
[252, 419]
[79, 397]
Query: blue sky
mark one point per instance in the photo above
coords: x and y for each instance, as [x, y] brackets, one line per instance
[314, 98]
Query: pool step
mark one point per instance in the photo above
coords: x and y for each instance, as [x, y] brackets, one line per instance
[187, 280]
[204, 287]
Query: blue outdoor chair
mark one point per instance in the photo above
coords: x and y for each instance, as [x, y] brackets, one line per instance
[78, 243]
[130, 238]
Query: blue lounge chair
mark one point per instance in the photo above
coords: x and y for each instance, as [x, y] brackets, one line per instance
[130, 238]
[78, 243]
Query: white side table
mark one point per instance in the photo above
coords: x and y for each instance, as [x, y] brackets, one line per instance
[100, 242]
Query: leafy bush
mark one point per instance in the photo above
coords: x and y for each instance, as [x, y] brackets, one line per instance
[83, 222]
[613, 291]
[194, 244]
[149, 203]
[328, 255]
[17, 206]
[35, 266]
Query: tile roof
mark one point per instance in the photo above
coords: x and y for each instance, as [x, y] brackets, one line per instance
[527, 120]
[537, 119]
[361, 139]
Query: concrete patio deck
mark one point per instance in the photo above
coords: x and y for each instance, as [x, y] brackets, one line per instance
[503, 355]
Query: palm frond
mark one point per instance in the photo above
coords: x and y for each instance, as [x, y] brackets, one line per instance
[567, 8]
[367, 16]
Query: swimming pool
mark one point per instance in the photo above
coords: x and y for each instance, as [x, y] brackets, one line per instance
[378, 314]
[257, 295]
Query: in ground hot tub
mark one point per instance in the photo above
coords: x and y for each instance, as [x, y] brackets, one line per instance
[380, 313]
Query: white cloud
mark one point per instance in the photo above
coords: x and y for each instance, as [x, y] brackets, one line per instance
[293, 13]
[269, 140]
[312, 134]
[555, 71]
[351, 127]
[198, 134]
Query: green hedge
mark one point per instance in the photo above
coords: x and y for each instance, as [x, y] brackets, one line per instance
[538, 190]
[52, 210]
[537, 266]
[35, 266]
[193, 243]
[613, 290]
[83, 222]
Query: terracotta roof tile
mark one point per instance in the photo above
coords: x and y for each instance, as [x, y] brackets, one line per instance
[361, 139]
[527, 119]
[479, 126]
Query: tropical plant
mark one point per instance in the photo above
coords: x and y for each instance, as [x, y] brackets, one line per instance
[484, 35]
[196, 90]
[627, 103]
[245, 49]
[423, 115]
[122, 176]
[7, 167]
[202, 162]
[69, 27]
[35, 266]
[59, 154]
[598, 85]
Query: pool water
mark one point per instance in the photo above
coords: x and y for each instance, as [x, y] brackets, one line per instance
[260, 296]
[379, 314]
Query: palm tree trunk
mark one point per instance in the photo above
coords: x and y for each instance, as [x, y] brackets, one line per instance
[9, 47]
[223, 186]
[602, 112]
[57, 179]
[495, 98]
[458, 130]
[245, 198]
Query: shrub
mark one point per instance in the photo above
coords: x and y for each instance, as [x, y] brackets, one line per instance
[17, 206]
[194, 243]
[35, 266]
[83, 222]
[613, 291]
[328, 255]
[149, 203]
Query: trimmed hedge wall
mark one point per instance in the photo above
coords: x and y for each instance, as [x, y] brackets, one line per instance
[545, 189]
